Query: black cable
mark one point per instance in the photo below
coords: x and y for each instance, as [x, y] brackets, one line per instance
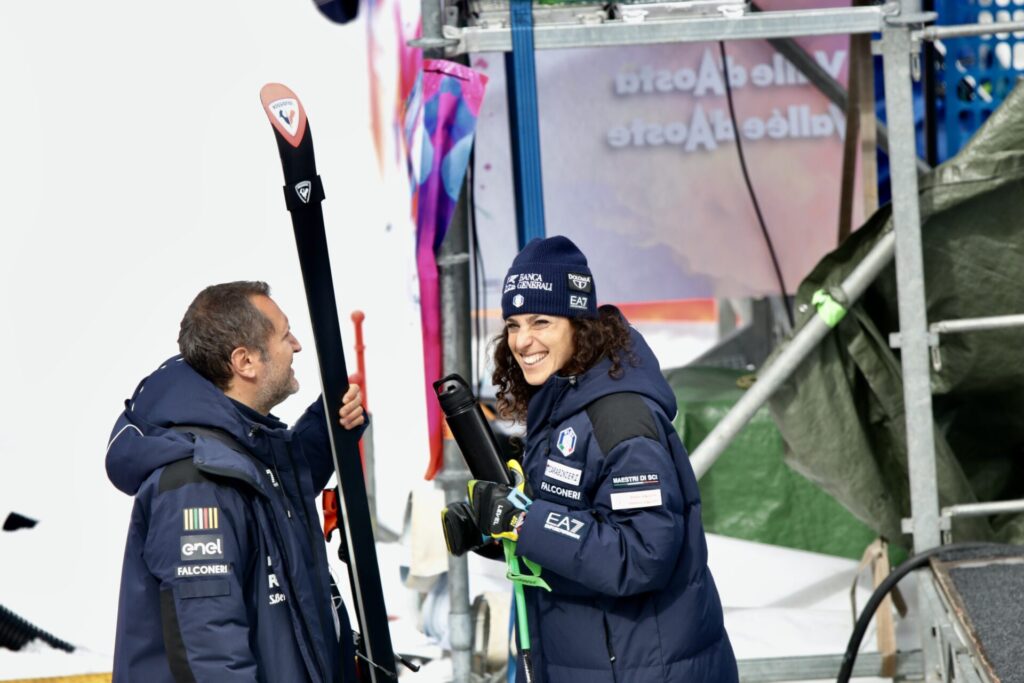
[868, 613]
[750, 187]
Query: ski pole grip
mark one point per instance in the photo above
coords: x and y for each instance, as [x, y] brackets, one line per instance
[470, 430]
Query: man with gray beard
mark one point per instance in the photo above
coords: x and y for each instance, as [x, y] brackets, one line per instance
[225, 574]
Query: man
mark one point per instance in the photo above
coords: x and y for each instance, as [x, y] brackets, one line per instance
[225, 574]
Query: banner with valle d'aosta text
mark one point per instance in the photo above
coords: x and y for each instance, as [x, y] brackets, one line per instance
[641, 168]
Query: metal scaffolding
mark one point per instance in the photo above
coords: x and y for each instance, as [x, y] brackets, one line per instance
[902, 27]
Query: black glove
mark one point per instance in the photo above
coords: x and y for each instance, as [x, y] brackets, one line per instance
[461, 533]
[499, 510]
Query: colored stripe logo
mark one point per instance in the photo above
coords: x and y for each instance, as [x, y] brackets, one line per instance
[200, 519]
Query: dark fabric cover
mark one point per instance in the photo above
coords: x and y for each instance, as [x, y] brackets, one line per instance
[788, 510]
[841, 414]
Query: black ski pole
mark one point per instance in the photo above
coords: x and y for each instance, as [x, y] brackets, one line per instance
[303, 193]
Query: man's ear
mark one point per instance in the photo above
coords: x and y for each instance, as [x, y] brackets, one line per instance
[243, 363]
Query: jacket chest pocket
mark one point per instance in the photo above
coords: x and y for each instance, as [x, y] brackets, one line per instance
[558, 479]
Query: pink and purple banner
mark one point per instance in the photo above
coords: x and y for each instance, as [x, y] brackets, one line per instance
[440, 122]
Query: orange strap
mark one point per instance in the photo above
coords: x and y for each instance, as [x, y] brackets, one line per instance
[330, 507]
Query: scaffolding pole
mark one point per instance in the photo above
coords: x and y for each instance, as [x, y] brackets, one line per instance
[453, 264]
[898, 55]
[772, 376]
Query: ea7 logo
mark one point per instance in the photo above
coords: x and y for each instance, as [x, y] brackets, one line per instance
[564, 524]
[578, 301]
[205, 547]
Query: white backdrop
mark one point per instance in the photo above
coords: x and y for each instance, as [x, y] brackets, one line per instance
[137, 166]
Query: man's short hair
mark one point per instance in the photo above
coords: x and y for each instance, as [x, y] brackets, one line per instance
[220, 319]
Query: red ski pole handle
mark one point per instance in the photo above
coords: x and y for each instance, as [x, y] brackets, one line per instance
[357, 321]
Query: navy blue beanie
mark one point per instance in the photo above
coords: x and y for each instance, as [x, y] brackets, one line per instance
[549, 276]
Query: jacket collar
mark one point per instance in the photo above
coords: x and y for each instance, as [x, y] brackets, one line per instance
[561, 396]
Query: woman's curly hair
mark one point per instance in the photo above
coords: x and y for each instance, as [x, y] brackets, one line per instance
[606, 336]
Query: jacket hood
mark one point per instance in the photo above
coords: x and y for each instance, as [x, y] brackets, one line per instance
[561, 396]
[175, 393]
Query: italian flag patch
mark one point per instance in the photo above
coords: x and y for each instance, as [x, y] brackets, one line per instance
[200, 519]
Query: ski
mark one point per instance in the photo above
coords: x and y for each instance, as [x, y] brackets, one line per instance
[303, 192]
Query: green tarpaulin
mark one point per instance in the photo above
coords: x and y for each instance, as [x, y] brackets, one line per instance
[841, 414]
[750, 493]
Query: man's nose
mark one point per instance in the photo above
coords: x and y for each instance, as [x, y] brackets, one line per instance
[296, 346]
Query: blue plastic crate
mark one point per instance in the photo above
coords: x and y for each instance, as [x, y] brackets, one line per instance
[977, 72]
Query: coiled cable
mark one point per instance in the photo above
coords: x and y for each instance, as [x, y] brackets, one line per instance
[16, 632]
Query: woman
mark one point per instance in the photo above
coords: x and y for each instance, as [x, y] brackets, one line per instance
[615, 514]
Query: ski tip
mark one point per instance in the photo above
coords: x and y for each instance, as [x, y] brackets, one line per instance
[285, 112]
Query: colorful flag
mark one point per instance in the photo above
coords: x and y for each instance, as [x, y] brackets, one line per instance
[440, 121]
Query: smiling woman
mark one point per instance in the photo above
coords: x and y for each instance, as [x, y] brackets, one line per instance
[531, 348]
[540, 344]
[612, 509]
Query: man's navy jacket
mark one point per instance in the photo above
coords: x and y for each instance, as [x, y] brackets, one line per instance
[225, 574]
[615, 524]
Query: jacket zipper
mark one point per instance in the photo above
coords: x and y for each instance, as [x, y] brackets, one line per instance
[321, 667]
[300, 508]
[570, 383]
[320, 664]
[284, 495]
[608, 641]
[273, 463]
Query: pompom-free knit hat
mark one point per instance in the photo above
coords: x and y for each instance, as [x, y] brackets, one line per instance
[550, 276]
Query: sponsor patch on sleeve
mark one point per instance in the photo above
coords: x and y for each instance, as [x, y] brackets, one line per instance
[631, 500]
[571, 494]
[564, 525]
[185, 571]
[202, 547]
[631, 480]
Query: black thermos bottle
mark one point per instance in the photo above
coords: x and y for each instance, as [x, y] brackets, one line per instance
[471, 431]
